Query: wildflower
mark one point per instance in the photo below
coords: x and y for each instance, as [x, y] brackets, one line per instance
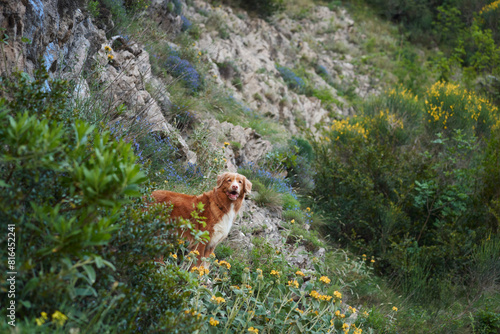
[292, 221]
[40, 321]
[218, 300]
[299, 273]
[332, 323]
[276, 273]
[345, 327]
[195, 252]
[213, 322]
[352, 309]
[293, 283]
[259, 271]
[225, 263]
[299, 310]
[366, 314]
[394, 308]
[180, 242]
[226, 143]
[337, 313]
[107, 48]
[212, 255]
[173, 255]
[308, 209]
[260, 277]
[253, 330]
[372, 261]
[342, 315]
[337, 295]
[324, 279]
[59, 318]
[110, 57]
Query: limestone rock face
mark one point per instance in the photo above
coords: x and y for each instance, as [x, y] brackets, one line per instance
[250, 147]
[55, 30]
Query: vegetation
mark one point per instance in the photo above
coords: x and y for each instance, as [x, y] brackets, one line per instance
[402, 196]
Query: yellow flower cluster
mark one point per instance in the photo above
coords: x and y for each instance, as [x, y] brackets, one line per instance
[224, 263]
[201, 270]
[405, 94]
[218, 300]
[293, 283]
[299, 310]
[316, 295]
[352, 309]
[40, 321]
[391, 119]
[488, 8]
[275, 273]
[394, 308]
[173, 255]
[337, 295]
[343, 127]
[325, 279]
[194, 253]
[299, 273]
[467, 104]
[59, 318]
[213, 322]
[253, 330]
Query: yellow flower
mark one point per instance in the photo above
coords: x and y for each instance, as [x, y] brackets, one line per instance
[308, 209]
[59, 318]
[337, 295]
[394, 308]
[253, 330]
[226, 143]
[293, 283]
[180, 241]
[213, 322]
[299, 310]
[337, 313]
[110, 57]
[173, 255]
[218, 300]
[276, 273]
[324, 279]
[372, 261]
[107, 48]
[345, 326]
[299, 273]
[225, 263]
[40, 321]
[195, 252]
[292, 221]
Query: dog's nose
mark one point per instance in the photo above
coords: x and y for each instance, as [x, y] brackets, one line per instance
[235, 187]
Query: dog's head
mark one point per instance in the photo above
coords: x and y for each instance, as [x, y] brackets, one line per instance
[233, 185]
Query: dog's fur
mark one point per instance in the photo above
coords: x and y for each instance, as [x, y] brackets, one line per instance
[221, 205]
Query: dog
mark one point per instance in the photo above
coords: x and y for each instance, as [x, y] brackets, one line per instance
[221, 205]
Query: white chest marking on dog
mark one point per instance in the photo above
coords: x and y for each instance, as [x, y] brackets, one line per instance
[222, 228]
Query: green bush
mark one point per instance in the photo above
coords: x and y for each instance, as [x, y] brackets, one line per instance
[396, 188]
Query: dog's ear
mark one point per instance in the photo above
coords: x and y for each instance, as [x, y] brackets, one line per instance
[221, 178]
[248, 186]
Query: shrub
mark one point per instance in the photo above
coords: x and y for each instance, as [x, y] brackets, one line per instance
[291, 79]
[184, 71]
[78, 180]
[411, 197]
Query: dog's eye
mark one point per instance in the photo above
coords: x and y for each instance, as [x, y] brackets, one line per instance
[228, 180]
[240, 181]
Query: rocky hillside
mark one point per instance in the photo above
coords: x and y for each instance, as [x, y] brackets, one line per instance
[243, 54]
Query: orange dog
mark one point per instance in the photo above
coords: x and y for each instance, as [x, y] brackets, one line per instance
[221, 205]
